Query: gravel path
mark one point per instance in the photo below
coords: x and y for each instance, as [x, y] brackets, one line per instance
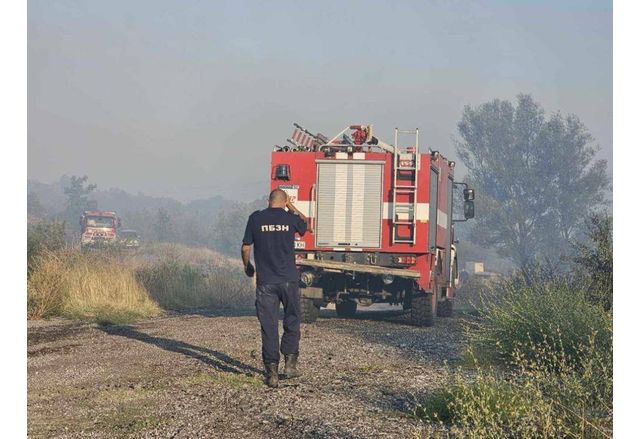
[199, 375]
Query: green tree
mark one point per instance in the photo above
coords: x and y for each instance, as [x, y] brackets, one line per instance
[77, 192]
[536, 177]
[595, 259]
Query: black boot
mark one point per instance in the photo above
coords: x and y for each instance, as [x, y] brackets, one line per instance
[290, 366]
[272, 374]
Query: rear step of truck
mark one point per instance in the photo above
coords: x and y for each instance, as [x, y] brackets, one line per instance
[349, 266]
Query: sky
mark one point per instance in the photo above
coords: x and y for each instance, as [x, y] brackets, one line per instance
[187, 98]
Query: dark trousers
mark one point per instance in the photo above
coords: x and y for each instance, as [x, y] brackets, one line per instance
[268, 298]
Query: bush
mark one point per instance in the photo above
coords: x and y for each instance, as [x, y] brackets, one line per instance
[551, 350]
[176, 284]
[49, 236]
[521, 314]
[530, 399]
[90, 286]
[595, 260]
[181, 277]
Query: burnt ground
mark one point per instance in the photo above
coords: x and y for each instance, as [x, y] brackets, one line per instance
[199, 375]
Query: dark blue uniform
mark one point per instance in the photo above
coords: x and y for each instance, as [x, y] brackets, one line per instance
[272, 231]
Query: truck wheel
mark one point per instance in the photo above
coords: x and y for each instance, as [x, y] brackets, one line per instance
[309, 312]
[445, 308]
[346, 308]
[422, 312]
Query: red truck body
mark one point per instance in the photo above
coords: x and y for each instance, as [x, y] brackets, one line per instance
[381, 223]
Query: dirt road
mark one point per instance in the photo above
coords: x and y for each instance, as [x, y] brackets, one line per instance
[199, 375]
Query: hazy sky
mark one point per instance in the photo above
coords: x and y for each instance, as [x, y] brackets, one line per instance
[187, 98]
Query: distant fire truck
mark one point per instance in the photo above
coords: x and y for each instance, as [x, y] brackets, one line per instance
[98, 228]
[381, 221]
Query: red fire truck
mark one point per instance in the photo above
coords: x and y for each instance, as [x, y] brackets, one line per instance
[381, 221]
[98, 228]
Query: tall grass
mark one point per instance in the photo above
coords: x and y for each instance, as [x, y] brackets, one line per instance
[73, 284]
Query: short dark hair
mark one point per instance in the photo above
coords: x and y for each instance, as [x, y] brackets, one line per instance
[277, 195]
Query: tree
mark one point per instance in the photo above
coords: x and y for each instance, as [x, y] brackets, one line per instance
[230, 225]
[77, 192]
[595, 259]
[536, 177]
[164, 225]
[35, 210]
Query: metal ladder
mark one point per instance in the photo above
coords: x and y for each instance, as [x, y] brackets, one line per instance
[406, 163]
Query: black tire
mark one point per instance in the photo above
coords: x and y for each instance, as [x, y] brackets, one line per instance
[422, 312]
[309, 312]
[445, 308]
[346, 308]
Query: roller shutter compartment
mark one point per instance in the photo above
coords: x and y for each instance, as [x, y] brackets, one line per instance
[349, 204]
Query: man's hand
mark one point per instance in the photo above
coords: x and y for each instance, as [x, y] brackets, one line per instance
[291, 207]
[249, 270]
[246, 260]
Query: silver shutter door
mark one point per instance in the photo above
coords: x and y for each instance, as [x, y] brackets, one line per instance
[349, 204]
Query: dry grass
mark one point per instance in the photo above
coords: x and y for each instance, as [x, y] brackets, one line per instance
[87, 286]
[123, 286]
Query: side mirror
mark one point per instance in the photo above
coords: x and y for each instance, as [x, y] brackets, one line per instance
[469, 209]
[469, 194]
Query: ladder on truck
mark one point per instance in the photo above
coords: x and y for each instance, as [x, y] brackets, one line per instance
[406, 163]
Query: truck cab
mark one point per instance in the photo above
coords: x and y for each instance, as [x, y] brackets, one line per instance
[98, 228]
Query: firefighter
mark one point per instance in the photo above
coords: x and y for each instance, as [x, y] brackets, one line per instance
[271, 232]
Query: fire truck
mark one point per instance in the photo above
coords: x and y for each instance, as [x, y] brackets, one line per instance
[380, 221]
[98, 228]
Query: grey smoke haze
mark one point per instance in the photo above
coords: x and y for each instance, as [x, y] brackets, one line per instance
[187, 98]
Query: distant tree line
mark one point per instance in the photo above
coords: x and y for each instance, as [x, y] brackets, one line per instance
[215, 222]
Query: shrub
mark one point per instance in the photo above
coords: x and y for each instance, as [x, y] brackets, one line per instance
[595, 259]
[48, 236]
[178, 279]
[520, 315]
[552, 375]
[90, 286]
[528, 399]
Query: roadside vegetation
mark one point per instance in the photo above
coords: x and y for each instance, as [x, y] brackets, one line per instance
[124, 286]
[91, 286]
[179, 277]
[540, 355]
